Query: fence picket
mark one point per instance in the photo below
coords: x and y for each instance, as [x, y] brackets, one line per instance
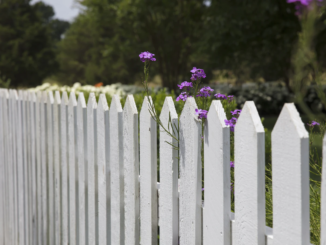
[148, 175]
[131, 171]
[44, 119]
[72, 161]
[290, 154]
[21, 166]
[90, 162]
[7, 146]
[216, 213]
[25, 122]
[323, 198]
[57, 167]
[116, 167]
[38, 120]
[82, 170]
[50, 166]
[33, 177]
[249, 174]
[2, 174]
[64, 168]
[102, 109]
[190, 175]
[168, 201]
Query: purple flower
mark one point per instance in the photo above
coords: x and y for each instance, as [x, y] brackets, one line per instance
[313, 123]
[183, 96]
[185, 84]
[301, 5]
[303, 2]
[221, 96]
[231, 123]
[201, 113]
[197, 73]
[205, 92]
[231, 164]
[230, 97]
[147, 56]
[236, 112]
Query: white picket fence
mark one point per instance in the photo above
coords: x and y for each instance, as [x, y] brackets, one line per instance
[72, 173]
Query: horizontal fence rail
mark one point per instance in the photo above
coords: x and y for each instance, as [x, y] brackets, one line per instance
[82, 173]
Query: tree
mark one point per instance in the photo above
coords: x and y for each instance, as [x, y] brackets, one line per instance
[27, 53]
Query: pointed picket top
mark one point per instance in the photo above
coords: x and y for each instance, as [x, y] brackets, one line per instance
[168, 201]
[50, 98]
[289, 114]
[131, 171]
[249, 161]
[323, 197]
[190, 175]
[216, 213]
[116, 171]
[91, 104]
[39, 96]
[72, 99]
[144, 112]
[290, 154]
[57, 98]
[115, 104]
[102, 103]
[65, 100]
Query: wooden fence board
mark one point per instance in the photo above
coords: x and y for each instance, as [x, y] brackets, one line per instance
[90, 162]
[72, 161]
[102, 171]
[216, 213]
[131, 171]
[64, 168]
[290, 154]
[148, 175]
[190, 175]
[82, 170]
[2, 172]
[57, 167]
[116, 167]
[33, 176]
[249, 174]
[169, 173]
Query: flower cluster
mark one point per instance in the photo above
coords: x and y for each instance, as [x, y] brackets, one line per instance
[185, 84]
[224, 97]
[231, 123]
[205, 92]
[147, 56]
[201, 113]
[231, 164]
[183, 96]
[313, 123]
[302, 2]
[197, 73]
[301, 5]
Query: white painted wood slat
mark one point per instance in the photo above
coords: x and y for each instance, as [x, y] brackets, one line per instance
[38, 116]
[90, 162]
[50, 168]
[190, 175]
[216, 213]
[2, 173]
[117, 171]
[72, 161]
[323, 197]
[249, 174]
[148, 175]
[64, 168]
[290, 160]
[57, 167]
[168, 201]
[102, 170]
[131, 171]
[44, 177]
[21, 167]
[81, 155]
[32, 142]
